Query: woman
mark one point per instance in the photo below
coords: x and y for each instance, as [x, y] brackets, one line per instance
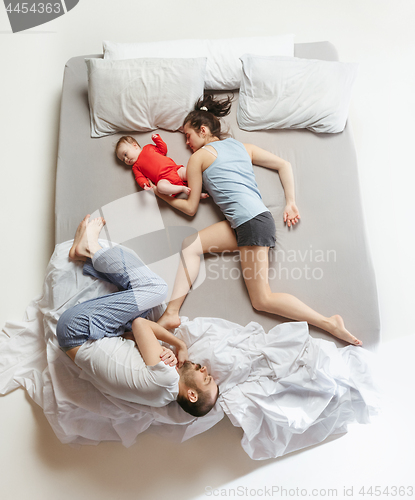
[224, 166]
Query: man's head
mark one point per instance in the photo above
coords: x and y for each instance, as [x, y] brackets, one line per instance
[198, 391]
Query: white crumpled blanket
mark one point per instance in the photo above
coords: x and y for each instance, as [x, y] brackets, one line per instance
[284, 388]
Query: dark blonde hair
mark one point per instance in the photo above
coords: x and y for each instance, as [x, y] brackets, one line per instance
[209, 117]
[128, 139]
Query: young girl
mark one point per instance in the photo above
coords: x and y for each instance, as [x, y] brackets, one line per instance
[225, 168]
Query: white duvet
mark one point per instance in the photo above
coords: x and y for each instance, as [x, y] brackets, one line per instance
[284, 388]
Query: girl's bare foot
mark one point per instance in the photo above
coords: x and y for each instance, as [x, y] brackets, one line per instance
[169, 320]
[338, 329]
[78, 236]
[87, 243]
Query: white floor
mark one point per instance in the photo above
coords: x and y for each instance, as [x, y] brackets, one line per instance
[376, 33]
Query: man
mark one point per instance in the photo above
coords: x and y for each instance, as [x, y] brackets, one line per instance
[95, 334]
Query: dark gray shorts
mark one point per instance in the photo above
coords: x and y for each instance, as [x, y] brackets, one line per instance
[259, 231]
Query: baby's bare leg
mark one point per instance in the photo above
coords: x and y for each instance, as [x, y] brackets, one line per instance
[182, 173]
[166, 187]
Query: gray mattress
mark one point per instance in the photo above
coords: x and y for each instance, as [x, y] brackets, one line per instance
[324, 260]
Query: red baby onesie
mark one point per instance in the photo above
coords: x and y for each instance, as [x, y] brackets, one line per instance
[152, 163]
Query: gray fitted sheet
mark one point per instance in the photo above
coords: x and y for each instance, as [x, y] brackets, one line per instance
[324, 260]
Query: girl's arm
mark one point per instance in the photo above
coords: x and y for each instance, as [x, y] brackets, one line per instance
[194, 181]
[266, 159]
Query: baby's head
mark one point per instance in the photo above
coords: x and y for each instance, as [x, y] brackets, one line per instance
[127, 150]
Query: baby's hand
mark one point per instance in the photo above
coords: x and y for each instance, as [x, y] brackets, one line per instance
[146, 187]
[154, 136]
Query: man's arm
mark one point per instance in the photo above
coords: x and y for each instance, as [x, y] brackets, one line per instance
[266, 159]
[147, 334]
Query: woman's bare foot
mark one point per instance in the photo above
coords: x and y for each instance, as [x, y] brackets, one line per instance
[78, 236]
[338, 329]
[169, 320]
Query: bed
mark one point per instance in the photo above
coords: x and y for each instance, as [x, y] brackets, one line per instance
[325, 261]
[330, 239]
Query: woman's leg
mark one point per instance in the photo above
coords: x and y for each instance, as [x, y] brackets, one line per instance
[255, 265]
[217, 238]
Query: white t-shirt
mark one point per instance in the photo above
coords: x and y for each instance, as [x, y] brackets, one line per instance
[115, 367]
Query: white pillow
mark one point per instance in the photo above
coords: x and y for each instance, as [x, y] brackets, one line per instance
[279, 92]
[139, 95]
[224, 68]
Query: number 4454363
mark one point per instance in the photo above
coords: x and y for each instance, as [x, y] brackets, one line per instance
[35, 7]
[392, 491]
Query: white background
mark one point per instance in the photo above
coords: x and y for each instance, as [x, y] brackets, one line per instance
[379, 34]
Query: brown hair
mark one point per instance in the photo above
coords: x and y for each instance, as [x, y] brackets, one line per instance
[199, 408]
[209, 117]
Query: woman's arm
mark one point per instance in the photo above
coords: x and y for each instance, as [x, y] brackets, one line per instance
[194, 181]
[266, 159]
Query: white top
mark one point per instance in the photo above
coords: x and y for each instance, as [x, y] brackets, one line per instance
[115, 367]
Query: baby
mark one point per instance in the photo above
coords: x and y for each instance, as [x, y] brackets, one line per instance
[151, 162]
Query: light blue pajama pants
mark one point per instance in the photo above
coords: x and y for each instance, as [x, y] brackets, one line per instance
[111, 315]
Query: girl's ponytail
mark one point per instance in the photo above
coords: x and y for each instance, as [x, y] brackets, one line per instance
[207, 112]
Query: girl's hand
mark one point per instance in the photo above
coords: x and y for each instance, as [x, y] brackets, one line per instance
[153, 187]
[291, 214]
[182, 355]
[168, 357]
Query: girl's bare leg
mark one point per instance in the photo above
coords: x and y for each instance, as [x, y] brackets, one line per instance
[216, 238]
[254, 262]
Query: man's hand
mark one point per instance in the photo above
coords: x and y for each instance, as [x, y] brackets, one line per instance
[182, 355]
[168, 357]
[291, 214]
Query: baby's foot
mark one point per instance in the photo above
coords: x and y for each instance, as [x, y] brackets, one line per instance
[186, 190]
[169, 320]
[338, 330]
[88, 243]
[203, 196]
[78, 236]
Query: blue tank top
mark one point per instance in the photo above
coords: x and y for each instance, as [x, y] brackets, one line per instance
[230, 181]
